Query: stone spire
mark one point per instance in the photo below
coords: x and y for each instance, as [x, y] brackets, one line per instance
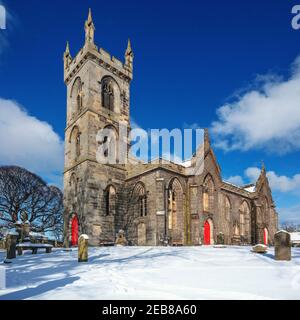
[89, 29]
[67, 56]
[263, 167]
[129, 57]
[206, 139]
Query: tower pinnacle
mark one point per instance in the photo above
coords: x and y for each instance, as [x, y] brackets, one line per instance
[67, 51]
[67, 56]
[89, 28]
[129, 57]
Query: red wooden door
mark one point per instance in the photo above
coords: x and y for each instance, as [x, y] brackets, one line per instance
[266, 236]
[206, 233]
[74, 239]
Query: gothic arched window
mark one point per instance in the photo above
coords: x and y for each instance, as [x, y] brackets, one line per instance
[75, 143]
[141, 199]
[108, 94]
[226, 208]
[208, 194]
[244, 213]
[77, 95]
[110, 200]
[266, 211]
[74, 183]
[176, 211]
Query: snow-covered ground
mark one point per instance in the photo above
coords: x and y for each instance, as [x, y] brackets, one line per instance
[153, 273]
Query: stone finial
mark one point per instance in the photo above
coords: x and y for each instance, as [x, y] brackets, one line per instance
[89, 28]
[129, 56]
[207, 145]
[263, 167]
[67, 56]
[67, 51]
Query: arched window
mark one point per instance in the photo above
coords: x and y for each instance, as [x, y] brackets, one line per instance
[110, 200]
[108, 94]
[77, 95]
[140, 196]
[75, 143]
[74, 184]
[227, 208]
[108, 145]
[208, 194]
[244, 213]
[175, 210]
[266, 211]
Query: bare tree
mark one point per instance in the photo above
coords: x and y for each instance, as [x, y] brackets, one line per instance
[290, 227]
[22, 191]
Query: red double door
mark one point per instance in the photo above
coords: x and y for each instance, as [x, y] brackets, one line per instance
[74, 231]
[207, 233]
[266, 236]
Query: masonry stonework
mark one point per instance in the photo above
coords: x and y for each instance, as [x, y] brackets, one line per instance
[155, 204]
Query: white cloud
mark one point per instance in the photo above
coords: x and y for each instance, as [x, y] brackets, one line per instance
[236, 180]
[277, 182]
[28, 142]
[284, 183]
[290, 214]
[252, 174]
[267, 117]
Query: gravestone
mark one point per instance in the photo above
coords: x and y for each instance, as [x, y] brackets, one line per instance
[83, 243]
[11, 242]
[260, 248]
[121, 239]
[282, 246]
[220, 238]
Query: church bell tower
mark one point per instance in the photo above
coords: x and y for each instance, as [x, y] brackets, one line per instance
[98, 97]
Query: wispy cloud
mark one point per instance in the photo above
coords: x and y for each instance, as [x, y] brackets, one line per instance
[290, 214]
[267, 116]
[29, 142]
[277, 182]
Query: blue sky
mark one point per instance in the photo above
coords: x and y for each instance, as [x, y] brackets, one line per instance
[191, 59]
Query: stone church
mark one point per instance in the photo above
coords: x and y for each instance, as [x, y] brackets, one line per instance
[154, 203]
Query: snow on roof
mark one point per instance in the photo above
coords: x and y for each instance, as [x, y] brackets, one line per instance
[186, 163]
[250, 189]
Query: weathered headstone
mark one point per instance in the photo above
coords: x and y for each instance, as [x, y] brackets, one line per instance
[121, 239]
[220, 238]
[83, 243]
[260, 248]
[282, 246]
[11, 243]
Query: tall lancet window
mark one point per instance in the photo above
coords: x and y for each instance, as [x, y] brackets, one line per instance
[77, 96]
[108, 97]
